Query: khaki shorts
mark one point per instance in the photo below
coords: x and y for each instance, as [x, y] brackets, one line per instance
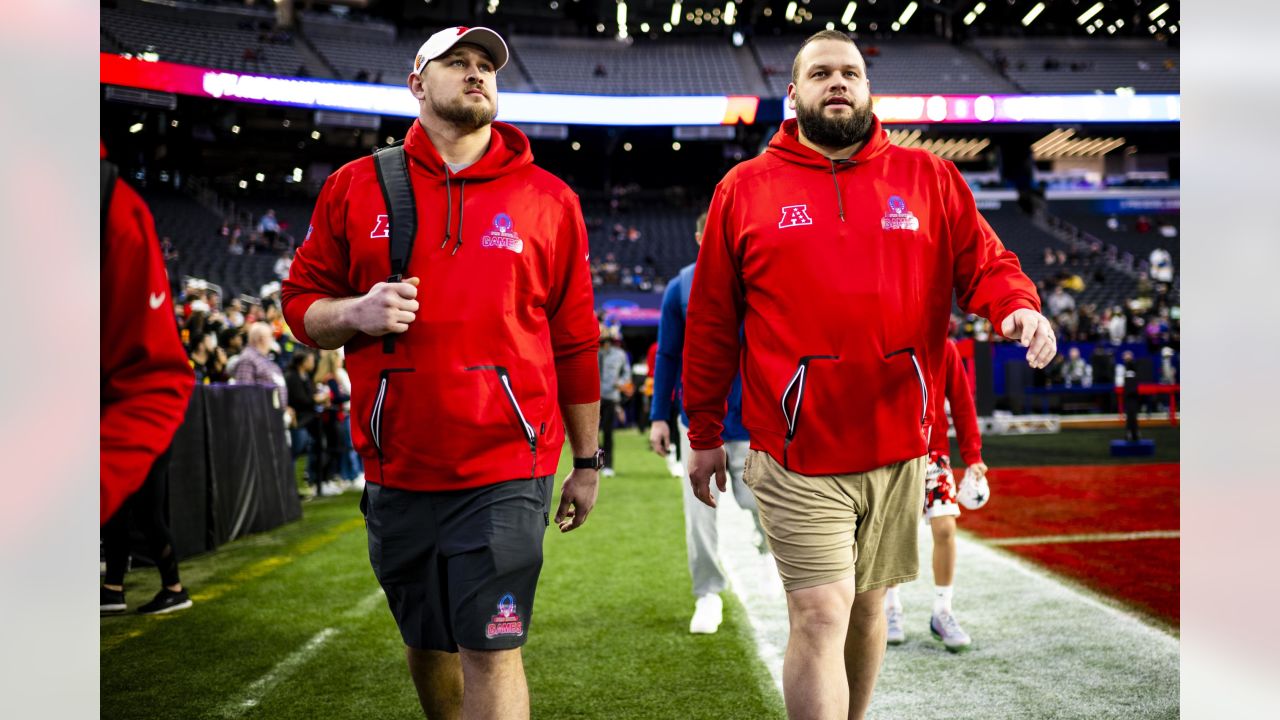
[825, 528]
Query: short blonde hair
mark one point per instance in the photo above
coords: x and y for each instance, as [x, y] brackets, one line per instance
[820, 35]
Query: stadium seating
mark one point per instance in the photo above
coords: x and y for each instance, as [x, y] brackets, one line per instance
[607, 67]
[234, 41]
[191, 226]
[1126, 238]
[895, 67]
[1108, 64]
[666, 236]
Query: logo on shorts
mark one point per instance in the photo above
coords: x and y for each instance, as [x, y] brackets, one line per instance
[899, 217]
[793, 215]
[507, 622]
[502, 235]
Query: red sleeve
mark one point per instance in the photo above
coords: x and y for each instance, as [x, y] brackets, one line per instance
[963, 410]
[319, 268]
[575, 333]
[716, 307]
[146, 381]
[988, 277]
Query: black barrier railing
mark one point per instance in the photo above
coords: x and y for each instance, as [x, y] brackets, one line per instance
[230, 473]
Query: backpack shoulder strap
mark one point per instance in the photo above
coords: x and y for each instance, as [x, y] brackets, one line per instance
[393, 178]
[392, 166]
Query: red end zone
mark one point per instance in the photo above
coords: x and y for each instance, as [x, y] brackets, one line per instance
[1040, 509]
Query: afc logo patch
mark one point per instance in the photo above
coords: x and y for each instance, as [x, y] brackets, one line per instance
[382, 229]
[793, 215]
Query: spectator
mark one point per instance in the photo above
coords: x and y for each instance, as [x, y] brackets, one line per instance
[1161, 265]
[207, 359]
[1060, 302]
[281, 268]
[1077, 372]
[268, 226]
[254, 366]
[305, 434]
[615, 374]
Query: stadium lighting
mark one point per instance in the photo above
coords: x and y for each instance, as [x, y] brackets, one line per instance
[737, 39]
[235, 129]
[853, 27]
[666, 27]
[849, 10]
[644, 27]
[831, 26]
[626, 146]
[1160, 10]
[244, 184]
[315, 134]
[1120, 23]
[791, 10]
[297, 174]
[675, 14]
[1084, 17]
[576, 145]
[968, 19]
[622, 19]
[675, 145]
[1031, 16]
[135, 128]
[260, 177]
[896, 26]
[730, 12]
[908, 12]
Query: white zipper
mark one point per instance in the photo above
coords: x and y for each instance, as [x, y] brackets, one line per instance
[375, 418]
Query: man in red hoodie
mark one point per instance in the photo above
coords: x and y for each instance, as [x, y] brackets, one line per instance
[940, 506]
[836, 253]
[461, 420]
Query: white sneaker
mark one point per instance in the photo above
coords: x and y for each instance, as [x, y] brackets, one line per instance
[707, 615]
[607, 472]
[358, 483]
[897, 627]
[946, 628]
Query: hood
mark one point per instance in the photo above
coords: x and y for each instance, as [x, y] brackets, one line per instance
[508, 152]
[786, 145]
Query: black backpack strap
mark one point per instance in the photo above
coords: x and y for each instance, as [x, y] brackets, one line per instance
[110, 173]
[402, 216]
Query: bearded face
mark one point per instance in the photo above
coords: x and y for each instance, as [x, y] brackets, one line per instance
[835, 128]
[462, 112]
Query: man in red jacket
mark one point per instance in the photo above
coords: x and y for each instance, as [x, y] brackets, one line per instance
[461, 421]
[836, 253]
[940, 506]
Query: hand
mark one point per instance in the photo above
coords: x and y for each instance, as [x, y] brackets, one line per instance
[577, 498]
[1034, 332]
[660, 437]
[702, 465]
[386, 308]
[979, 469]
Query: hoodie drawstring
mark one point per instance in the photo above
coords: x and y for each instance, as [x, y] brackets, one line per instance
[839, 200]
[448, 204]
[462, 213]
[448, 222]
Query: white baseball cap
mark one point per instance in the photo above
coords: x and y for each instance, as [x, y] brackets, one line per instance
[443, 41]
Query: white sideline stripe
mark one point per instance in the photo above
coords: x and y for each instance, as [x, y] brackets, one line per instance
[263, 685]
[1086, 537]
[767, 616]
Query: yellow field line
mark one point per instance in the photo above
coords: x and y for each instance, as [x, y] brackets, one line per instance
[212, 592]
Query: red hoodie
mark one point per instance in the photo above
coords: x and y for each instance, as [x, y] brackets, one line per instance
[505, 332]
[841, 274]
[953, 385]
[146, 380]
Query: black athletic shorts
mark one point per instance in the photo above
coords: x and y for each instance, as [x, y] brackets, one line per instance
[459, 567]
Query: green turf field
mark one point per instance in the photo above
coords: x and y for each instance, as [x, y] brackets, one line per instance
[609, 639]
[290, 624]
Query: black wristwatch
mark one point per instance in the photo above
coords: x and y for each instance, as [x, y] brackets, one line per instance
[594, 462]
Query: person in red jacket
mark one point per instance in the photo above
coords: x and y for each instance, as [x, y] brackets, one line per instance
[460, 422]
[836, 253]
[940, 506]
[146, 383]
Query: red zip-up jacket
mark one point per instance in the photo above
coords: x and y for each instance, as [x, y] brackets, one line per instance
[505, 332]
[953, 385]
[145, 379]
[841, 274]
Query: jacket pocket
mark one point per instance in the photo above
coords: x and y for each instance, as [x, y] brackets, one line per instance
[380, 401]
[919, 372]
[527, 430]
[795, 389]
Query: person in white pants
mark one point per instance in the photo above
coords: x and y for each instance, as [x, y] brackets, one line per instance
[701, 536]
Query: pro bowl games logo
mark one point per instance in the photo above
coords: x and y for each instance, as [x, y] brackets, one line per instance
[507, 622]
[502, 235]
[899, 217]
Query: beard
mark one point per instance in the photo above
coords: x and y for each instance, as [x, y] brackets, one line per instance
[463, 114]
[834, 132]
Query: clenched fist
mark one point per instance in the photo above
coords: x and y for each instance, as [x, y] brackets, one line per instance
[386, 308]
